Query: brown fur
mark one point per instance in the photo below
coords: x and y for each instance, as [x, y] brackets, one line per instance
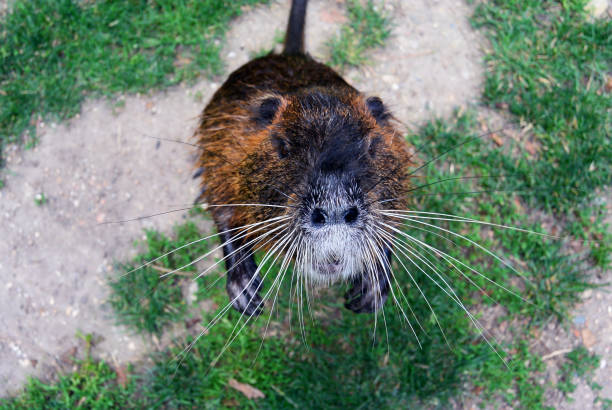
[238, 158]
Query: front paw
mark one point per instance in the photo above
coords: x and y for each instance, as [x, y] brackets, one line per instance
[244, 295]
[366, 296]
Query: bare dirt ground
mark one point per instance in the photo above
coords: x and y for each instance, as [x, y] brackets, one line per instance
[55, 259]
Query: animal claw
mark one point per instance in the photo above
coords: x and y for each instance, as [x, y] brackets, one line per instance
[368, 294]
[244, 296]
[365, 299]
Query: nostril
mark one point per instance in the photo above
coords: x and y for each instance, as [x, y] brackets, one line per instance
[351, 215]
[318, 217]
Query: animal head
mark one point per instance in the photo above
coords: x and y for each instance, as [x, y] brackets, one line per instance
[331, 159]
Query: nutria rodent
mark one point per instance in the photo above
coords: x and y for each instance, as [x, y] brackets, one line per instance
[296, 161]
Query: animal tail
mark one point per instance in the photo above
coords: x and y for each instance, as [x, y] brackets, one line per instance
[294, 39]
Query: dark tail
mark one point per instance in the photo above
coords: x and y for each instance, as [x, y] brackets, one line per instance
[294, 39]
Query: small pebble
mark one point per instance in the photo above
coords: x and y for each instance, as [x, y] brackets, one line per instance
[597, 8]
[192, 292]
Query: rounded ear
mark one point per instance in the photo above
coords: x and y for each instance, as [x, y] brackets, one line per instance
[265, 113]
[377, 109]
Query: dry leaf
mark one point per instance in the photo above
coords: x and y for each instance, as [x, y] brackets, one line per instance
[501, 105]
[121, 376]
[246, 389]
[191, 322]
[588, 338]
[608, 85]
[531, 147]
[483, 125]
[333, 16]
[519, 206]
[181, 62]
[498, 140]
[230, 403]
[67, 357]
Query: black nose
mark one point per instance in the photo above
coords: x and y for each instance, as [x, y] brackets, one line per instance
[320, 217]
[350, 216]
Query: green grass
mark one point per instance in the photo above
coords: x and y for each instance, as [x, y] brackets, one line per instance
[92, 385]
[554, 279]
[548, 66]
[142, 298]
[367, 27]
[40, 199]
[279, 38]
[579, 363]
[54, 54]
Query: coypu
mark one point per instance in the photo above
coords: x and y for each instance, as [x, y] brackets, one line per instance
[296, 161]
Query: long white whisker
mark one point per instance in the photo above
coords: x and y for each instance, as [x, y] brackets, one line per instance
[370, 269]
[475, 244]
[378, 237]
[218, 316]
[258, 205]
[309, 308]
[436, 253]
[291, 296]
[390, 238]
[446, 255]
[454, 297]
[295, 275]
[383, 265]
[457, 218]
[233, 239]
[249, 243]
[197, 241]
[249, 254]
[233, 335]
[419, 257]
[282, 272]
[301, 308]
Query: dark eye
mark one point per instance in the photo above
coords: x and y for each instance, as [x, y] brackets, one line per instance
[374, 145]
[282, 149]
[377, 109]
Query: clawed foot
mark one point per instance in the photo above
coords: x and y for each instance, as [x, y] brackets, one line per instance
[366, 297]
[244, 296]
[368, 294]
